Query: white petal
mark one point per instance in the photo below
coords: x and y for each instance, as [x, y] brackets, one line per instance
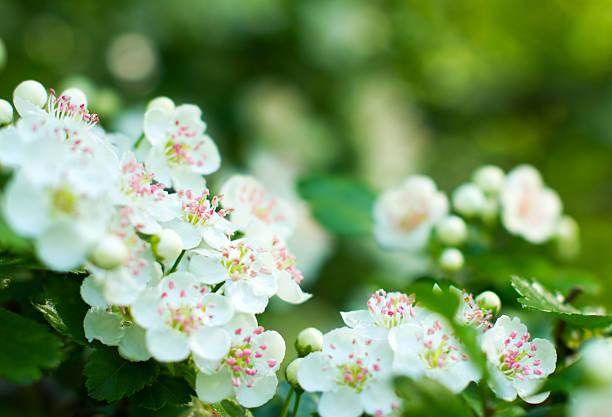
[183, 178]
[210, 343]
[218, 308]
[92, 293]
[104, 326]
[190, 234]
[547, 354]
[262, 391]
[356, 318]
[209, 153]
[341, 403]
[63, 246]
[500, 385]
[133, 345]
[379, 397]
[122, 288]
[145, 309]
[245, 299]
[207, 267]
[275, 351]
[214, 388]
[316, 373]
[404, 339]
[167, 345]
[289, 290]
[157, 165]
[27, 208]
[156, 124]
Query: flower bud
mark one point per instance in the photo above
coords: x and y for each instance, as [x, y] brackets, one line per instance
[597, 361]
[6, 112]
[309, 340]
[489, 178]
[110, 252]
[488, 300]
[77, 96]
[162, 103]
[291, 373]
[452, 230]
[468, 199]
[31, 91]
[451, 260]
[167, 245]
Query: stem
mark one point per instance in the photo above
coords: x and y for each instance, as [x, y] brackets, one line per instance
[139, 141]
[483, 398]
[296, 405]
[286, 404]
[176, 263]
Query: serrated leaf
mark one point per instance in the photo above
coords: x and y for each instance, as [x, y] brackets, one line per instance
[228, 408]
[110, 377]
[341, 205]
[26, 348]
[61, 305]
[166, 390]
[535, 297]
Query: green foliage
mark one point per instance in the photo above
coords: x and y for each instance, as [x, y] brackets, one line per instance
[26, 348]
[342, 205]
[535, 297]
[166, 390]
[227, 408]
[110, 377]
[61, 305]
[427, 398]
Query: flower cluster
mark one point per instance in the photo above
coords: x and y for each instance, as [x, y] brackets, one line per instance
[395, 335]
[169, 278]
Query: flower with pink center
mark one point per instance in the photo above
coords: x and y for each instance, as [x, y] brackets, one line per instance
[529, 208]
[181, 316]
[201, 219]
[405, 215]
[246, 269]
[385, 311]
[181, 153]
[288, 276]
[470, 312]
[431, 350]
[124, 284]
[353, 373]
[517, 364]
[248, 370]
[252, 205]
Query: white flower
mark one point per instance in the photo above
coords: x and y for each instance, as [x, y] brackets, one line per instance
[591, 403]
[181, 316]
[405, 215]
[529, 209]
[385, 311]
[353, 373]
[489, 178]
[251, 204]
[6, 112]
[452, 230]
[248, 370]
[201, 220]
[517, 365]
[468, 199]
[288, 276]
[477, 313]
[246, 269]
[597, 360]
[180, 150]
[431, 350]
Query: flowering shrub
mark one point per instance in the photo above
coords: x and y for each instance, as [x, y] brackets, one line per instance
[173, 276]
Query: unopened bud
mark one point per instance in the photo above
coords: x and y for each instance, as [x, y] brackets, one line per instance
[167, 245]
[291, 373]
[77, 96]
[468, 199]
[452, 230]
[162, 103]
[488, 300]
[451, 260]
[309, 340]
[597, 361]
[489, 178]
[110, 252]
[32, 92]
[568, 238]
[6, 112]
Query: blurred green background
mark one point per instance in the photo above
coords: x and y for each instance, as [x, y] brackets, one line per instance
[370, 89]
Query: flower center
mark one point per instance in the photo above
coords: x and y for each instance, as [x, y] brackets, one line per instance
[137, 181]
[392, 309]
[286, 261]
[198, 210]
[240, 260]
[517, 358]
[183, 313]
[354, 375]
[440, 350]
[242, 358]
[64, 201]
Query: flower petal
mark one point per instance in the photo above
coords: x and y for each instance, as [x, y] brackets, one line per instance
[215, 387]
[342, 403]
[210, 343]
[167, 345]
[316, 373]
[260, 392]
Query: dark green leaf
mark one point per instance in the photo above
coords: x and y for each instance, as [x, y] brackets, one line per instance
[228, 408]
[428, 398]
[166, 390]
[26, 347]
[535, 297]
[110, 377]
[509, 410]
[342, 205]
[62, 306]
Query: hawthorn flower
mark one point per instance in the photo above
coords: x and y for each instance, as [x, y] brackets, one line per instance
[353, 373]
[385, 311]
[405, 215]
[529, 208]
[431, 349]
[248, 370]
[517, 365]
[181, 316]
[472, 312]
[201, 219]
[180, 150]
[245, 269]
[251, 205]
[288, 276]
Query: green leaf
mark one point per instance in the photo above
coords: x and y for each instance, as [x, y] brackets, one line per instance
[26, 347]
[228, 408]
[509, 410]
[166, 390]
[428, 398]
[110, 377]
[341, 205]
[535, 297]
[62, 306]
[11, 241]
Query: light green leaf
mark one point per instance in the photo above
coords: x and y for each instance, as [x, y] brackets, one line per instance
[110, 378]
[26, 347]
[535, 297]
[228, 408]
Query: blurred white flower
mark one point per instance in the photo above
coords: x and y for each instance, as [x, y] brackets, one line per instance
[6, 112]
[590, 403]
[468, 200]
[489, 178]
[597, 360]
[451, 259]
[452, 230]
